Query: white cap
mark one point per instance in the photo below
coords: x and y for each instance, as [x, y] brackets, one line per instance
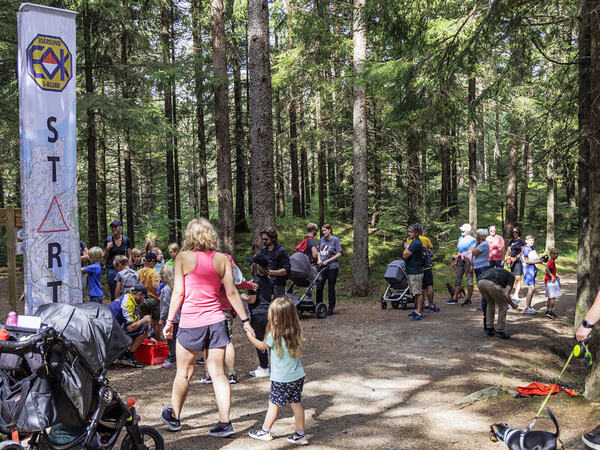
[466, 227]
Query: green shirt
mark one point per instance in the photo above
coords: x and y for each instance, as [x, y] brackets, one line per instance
[415, 264]
[284, 369]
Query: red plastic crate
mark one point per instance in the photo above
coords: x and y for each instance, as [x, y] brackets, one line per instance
[152, 352]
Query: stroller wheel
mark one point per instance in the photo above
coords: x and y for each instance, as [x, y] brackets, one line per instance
[151, 439]
[11, 445]
[321, 310]
[395, 304]
[383, 304]
[404, 305]
[300, 314]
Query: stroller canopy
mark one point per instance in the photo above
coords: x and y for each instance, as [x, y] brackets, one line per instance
[91, 328]
[301, 268]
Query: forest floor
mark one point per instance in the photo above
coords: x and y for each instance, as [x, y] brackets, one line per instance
[375, 379]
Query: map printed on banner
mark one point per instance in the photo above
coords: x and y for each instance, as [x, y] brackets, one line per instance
[54, 221]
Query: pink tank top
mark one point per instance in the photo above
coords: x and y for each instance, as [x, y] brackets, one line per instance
[201, 305]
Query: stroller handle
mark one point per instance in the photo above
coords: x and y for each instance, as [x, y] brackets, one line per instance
[30, 342]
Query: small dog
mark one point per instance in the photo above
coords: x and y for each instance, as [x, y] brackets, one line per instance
[461, 293]
[516, 439]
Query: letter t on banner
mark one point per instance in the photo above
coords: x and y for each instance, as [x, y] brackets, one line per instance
[46, 67]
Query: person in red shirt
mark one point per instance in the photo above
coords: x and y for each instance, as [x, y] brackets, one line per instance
[496, 243]
[552, 283]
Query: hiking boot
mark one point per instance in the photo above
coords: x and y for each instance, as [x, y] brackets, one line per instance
[417, 317]
[260, 434]
[205, 380]
[221, 430]
[467, 302]
[502, 335]
[489, 332]
[232, 378]
[129, 360]
[529, 311]
[172, 423]
[259, 372]
[551, 315]
[451, 301]
[297, 439]
[591, 440]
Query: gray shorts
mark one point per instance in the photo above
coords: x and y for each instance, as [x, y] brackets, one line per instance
[463, 267]
[199, 338]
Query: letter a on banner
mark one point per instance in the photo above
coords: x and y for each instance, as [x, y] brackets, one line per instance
[46, 66]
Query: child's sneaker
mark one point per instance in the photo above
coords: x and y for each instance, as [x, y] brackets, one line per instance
[433, 308]
[551, 315]
[168, 364]
[205, 380]
[529, 311]
[259, 372]
[451, 301]
[260, 434]
[232, 378]
[297, 439]
[220, 430]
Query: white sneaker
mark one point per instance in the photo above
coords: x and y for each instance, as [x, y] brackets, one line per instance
[529, 311]
[260, 372]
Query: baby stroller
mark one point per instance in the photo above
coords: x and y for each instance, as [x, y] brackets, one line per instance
[397, 292]
[303, 274]
[54, 378]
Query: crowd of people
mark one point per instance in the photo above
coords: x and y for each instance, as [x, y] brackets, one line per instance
[191, 301]
[497, 268]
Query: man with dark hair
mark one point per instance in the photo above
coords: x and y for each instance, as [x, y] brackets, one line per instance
[279, 262]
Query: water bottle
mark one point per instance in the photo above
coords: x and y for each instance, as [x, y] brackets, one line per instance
[11, 320]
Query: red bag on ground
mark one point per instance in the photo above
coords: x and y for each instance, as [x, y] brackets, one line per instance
[543, 389]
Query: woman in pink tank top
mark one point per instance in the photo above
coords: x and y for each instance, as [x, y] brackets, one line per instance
[199, 272]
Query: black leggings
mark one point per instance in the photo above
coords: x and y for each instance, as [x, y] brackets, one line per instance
[329, 275]
[259, 323]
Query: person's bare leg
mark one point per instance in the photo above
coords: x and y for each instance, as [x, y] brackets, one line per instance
[137, 342]
[230, 359]
[517, 286]
[430, 294]
[469, 292]
[420, 303]
[271, 416]
[186, 363]
[215, 364]
[298, 411]
[530, 291]
[206, 365]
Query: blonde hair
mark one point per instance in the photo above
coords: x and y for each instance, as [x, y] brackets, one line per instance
[166, 275]
[311, 227]
[200, 235]
[284, 325]
[258, 271]
[136, 251]
[121, 260]
[174, 246]
[96, 253]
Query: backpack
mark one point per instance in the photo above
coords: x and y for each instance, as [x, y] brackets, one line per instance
[301, 247]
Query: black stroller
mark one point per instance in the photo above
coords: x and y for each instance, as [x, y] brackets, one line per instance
[54, 378]
[303, 274]
[397, 292]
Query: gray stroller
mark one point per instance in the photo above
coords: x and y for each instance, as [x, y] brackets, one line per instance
[304, 275]
[397, 292]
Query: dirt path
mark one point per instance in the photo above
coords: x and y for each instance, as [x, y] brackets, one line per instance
[377, 380]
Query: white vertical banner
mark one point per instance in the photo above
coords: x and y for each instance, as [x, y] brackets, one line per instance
[47, 126]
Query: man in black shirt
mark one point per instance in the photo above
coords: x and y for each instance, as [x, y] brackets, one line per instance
[279, 262]
[495, 286]
[115, 244]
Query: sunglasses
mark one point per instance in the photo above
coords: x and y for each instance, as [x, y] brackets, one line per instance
[265, 239]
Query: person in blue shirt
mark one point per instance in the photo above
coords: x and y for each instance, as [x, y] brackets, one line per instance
[330, 250]
[481, 263]
[530, 259]
[463, 265]
[284, 343]
[94, 272]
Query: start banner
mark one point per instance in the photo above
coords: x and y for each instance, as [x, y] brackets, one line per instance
[47, 117]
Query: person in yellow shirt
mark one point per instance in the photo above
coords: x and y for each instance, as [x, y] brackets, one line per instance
[149, 278]
[429, 304]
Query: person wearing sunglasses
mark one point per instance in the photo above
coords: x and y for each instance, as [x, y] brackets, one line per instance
[279, 261]
[513, 259]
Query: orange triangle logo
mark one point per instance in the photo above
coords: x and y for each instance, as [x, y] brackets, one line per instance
[54, 221]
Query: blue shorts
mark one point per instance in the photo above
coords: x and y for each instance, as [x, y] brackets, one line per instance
[141, 330]
[284, 393]
[529, 277]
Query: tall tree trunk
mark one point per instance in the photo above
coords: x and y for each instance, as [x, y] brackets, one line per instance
[178, 224]
[296, 211]
[454, 177]
[511, 192]
[360, 266]
[498, 163]
[241, 225]
[247, 116]
[101, 180]
[261, 118]
[445, 194]
[168, 99]
[199, 94]
[92, 198]
[550, 182]
[376, 168]
[224, 196]
[279, 176]
[524, 179]
[472, 151]
[321, 167]
[303, 164]
[414, 177]
[119, 177]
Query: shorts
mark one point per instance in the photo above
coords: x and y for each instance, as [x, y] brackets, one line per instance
[229, 317]
[208, 336]
[141, 330]
[517, 268]
[463, 267]
[427, 278]
[150, 306]
[415, 283]
[529, 278]
[284, 393]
